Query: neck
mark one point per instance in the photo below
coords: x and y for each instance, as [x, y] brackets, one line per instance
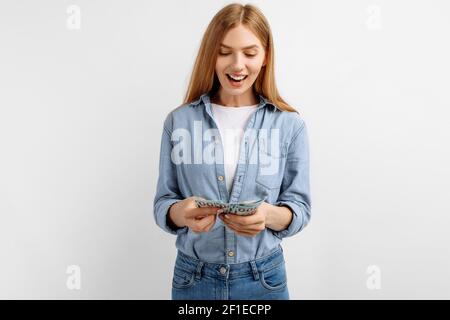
[248, 98]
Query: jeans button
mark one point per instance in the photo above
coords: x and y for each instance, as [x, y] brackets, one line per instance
[223, 270]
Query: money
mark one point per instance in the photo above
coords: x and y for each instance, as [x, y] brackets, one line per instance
[243, 208]
[202, 203]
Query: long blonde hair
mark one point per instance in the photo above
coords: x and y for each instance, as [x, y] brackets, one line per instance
[203, 78]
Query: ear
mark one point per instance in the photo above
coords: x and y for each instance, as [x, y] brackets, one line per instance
[265, 60]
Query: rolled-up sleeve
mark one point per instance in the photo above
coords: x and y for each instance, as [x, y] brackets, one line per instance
[167, 191]
[295, 188]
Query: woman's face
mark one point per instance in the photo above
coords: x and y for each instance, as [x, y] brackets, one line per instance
[241, 55]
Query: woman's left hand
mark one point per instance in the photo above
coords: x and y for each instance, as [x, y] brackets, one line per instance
[248, 225]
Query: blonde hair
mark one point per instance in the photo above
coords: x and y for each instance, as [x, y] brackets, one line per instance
[203, 78]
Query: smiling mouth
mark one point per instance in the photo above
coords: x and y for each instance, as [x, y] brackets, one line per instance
[234, 80]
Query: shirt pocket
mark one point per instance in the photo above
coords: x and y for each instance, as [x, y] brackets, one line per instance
[270, 170]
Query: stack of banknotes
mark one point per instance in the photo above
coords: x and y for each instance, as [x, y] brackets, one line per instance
[244, 208]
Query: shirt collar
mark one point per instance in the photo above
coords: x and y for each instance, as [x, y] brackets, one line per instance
[206, 100]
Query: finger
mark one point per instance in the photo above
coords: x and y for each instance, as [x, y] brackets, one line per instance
[230, 223]
[199, 212]
[246, 222]
[203, 223]
[233, 225]
[252, 228]
[211, 221]
[209, 226]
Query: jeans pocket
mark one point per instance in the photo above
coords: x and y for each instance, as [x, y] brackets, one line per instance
[274, 278]
[182, 279]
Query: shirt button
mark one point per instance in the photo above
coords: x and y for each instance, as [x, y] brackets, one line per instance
[230, 253]
[223, 270]
[220, 178]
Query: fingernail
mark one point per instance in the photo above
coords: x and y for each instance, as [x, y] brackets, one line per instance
[219, 211]
[226, 216]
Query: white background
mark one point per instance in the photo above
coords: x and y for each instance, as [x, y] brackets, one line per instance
[81, 113]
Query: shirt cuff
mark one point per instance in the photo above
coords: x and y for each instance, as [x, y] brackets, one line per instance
[170, 226]
[296, 223]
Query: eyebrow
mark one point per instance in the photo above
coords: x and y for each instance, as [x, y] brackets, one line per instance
[248, 47]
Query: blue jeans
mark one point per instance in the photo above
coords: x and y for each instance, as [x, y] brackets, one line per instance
[260, 279]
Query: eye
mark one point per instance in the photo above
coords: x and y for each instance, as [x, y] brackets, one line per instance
[247, 54]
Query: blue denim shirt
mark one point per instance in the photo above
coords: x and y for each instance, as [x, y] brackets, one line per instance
[273, 165]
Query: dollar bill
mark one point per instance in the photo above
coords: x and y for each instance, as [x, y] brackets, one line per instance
[243, 208]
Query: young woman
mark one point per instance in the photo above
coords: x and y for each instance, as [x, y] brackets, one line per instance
[234, 139]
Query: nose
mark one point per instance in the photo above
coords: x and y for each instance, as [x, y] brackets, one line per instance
[238, 63]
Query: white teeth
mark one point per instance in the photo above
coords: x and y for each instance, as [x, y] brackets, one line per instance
[237, 78]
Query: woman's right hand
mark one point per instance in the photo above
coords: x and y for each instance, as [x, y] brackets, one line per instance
[186, 213]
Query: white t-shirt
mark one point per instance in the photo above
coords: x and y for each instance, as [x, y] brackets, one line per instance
[231, 122]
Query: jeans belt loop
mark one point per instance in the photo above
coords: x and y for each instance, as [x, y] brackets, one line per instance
[254, 269]
[198, 273]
